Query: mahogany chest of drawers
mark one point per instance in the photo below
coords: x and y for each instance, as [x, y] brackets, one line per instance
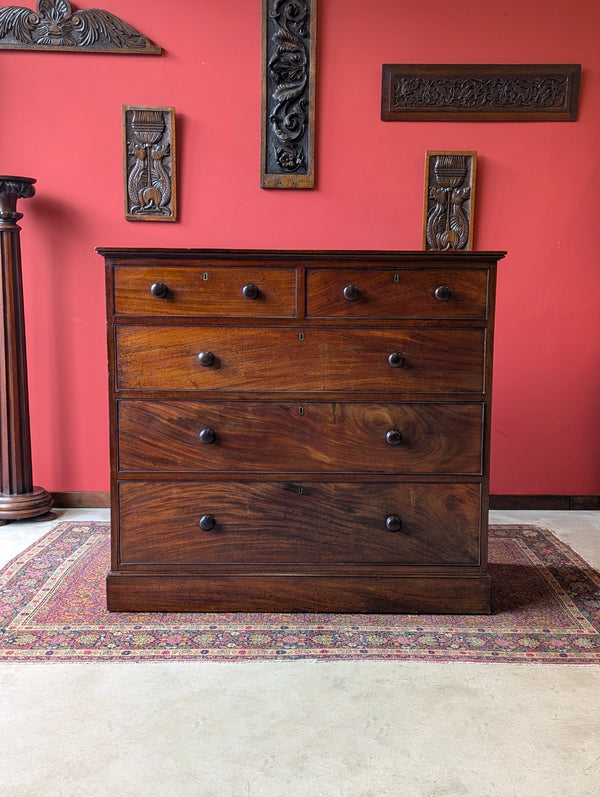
[299, 431]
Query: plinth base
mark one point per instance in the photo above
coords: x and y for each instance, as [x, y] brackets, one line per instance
[25, 505]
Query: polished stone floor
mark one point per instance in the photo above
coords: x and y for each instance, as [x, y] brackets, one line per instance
[320, 729]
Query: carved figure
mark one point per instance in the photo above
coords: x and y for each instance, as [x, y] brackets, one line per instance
[54, 24]
[148, 183]
[448, 225]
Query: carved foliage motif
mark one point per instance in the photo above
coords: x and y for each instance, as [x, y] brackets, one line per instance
[288, 88]
[149, 155]
[449, 200]
[55, 26]
[480, 92]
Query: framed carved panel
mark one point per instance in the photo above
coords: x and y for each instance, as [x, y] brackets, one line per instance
[288, 62]
[480, 92]
[149, 163]
[449, 201]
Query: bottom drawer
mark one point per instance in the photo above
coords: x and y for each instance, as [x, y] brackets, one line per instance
[282, 522]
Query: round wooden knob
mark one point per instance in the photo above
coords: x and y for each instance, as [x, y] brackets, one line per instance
[396, 360]
[443, 293]
[393, 437]
[351, 293]
[393, 523]
[250, 291]
[159, 289]
[207, 523]
[206, 358]
[207, 436]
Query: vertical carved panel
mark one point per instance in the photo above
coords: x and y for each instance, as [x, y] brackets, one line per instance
[289, 30]
[149, 163]
[449, 200]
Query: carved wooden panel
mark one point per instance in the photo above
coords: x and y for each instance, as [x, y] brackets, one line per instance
[54, 25]
[449, 200]
[289, 30]
[149, 163]
[480, 92]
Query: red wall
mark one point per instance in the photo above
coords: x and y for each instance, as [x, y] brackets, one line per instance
[537, 198]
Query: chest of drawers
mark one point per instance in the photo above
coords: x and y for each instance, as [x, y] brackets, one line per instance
[299, 431]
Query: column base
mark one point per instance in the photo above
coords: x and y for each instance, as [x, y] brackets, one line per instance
[25, 505]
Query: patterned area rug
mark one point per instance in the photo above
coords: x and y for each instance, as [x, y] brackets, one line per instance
[52, 608]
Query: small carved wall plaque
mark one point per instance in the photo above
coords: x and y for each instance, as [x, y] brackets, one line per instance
[480, 92]
[149, 163]
[55, 26]
[289, 31]
[449, 200]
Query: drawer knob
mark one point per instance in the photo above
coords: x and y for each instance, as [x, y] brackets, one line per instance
[393, 523]
[443, 293]
[207, 523]
[396, 360]
[351, 293]
[159, 289]
[393, 437]
[250, 291]
[207, 436]
[206, 358]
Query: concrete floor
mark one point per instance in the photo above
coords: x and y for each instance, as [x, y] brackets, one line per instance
[321, 729]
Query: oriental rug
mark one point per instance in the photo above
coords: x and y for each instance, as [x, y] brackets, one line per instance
[546, 609]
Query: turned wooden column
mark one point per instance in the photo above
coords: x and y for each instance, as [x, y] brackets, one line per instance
[18, 497]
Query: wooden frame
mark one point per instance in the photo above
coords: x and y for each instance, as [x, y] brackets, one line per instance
[288, 62]
[54, 26]
[480, 92]
[449, 200]
[149, 163]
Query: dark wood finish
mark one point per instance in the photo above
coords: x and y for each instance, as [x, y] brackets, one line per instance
[577, 503]
[289, 59]
[206, 291]
[55, 26]
[449, 203]
[266, 359]
[149, 163]
[81, 500]
[396, 294]
[480, 92]
[19, 498]
[320, 520]
[100, 500]
[420, 593]
[286, 444]
[312, 436]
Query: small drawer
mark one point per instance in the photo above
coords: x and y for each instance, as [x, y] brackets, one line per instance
[273, 437]
[205, 291]
[240, 359]
[187, 524]
[401, 294]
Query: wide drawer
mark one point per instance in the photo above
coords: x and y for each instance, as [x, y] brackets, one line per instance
[283, 522]
[208, 291]
[272, 437]
[262, 359]
[401, 293]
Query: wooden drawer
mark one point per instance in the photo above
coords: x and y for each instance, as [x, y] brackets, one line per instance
[230, 292]
[283, 522]
[401, 293]
[293, 360]
[271, 437]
